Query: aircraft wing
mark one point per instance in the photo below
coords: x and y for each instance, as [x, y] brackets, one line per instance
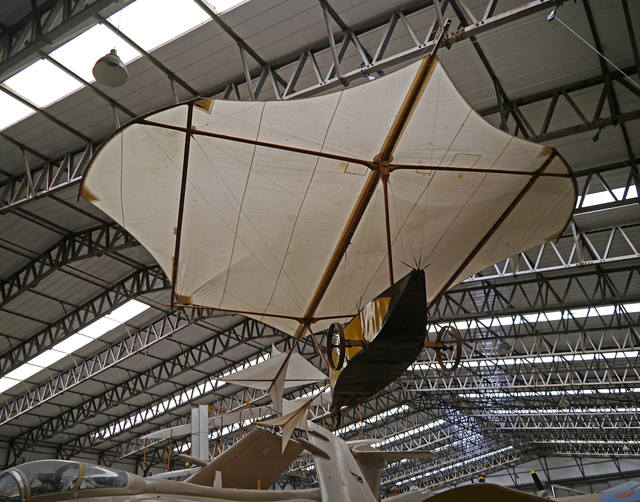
[393, 456]
[276, 209]
[481, 492]
[228, 495]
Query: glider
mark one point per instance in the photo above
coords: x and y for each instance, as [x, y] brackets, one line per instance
[297, 213]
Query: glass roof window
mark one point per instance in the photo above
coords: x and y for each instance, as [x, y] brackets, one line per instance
[33, 83]
[149, 23]
[88, 334]
[12, 110]
[152, 23]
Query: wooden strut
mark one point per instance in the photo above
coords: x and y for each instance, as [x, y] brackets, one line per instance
[494, 228]
[385, 182]
[395, 132]
[253, 142]
[418, 167]
[183, 192]
[262, 314]
[315, 341]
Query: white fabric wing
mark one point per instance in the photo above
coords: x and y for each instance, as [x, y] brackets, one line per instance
[261, 223]
[261, 376]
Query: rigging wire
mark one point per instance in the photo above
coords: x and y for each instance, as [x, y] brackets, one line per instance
[598, 52]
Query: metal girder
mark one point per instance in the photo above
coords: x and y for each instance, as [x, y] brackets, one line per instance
[573, 288]
[621, 449]
[83, 370]
[48, 178]
[55, 22]
[459, 469]
[516, 109]
[586, 421]
[144, 382]
[379, 63]
[575, 249]
[607, 179]
[139, 282]
[95, 241]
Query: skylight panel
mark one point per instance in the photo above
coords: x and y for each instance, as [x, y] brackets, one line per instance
[23, 372]
[7, 383]
[80, 54]
[47, 358]
[12, 111]
[220, 6]
[72, 344]
[152, 23]
[100, 327]
[597, 198]
[42, 83]
[75, 342]
[128, 311]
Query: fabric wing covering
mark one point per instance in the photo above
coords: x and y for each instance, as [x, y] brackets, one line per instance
[261, 223]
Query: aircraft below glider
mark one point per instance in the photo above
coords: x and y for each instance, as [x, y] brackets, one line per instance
[481, 492]
[241, 473]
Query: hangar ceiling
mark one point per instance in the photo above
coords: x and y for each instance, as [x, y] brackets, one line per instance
[550, 337]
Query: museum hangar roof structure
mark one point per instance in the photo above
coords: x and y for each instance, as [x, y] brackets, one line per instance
[92, 356]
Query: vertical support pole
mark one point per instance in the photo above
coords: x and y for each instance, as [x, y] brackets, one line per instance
[195, 433]
[385, 182]
[115, 116]
[174, 90]
[203, 411]
[183, 191]
[247, 73]
[332, 42]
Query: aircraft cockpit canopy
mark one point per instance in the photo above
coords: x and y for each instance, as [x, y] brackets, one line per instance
[45, 477]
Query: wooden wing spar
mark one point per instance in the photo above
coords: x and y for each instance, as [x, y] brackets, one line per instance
[295, 212]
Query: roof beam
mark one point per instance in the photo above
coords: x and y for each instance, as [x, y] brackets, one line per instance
[58, 20]
[50, 177]
[138, 342]
[45, 114]
[139, 282]
[572, 250]
[95, 241]
[381, 64]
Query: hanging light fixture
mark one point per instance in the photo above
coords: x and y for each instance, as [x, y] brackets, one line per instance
[110, 70]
